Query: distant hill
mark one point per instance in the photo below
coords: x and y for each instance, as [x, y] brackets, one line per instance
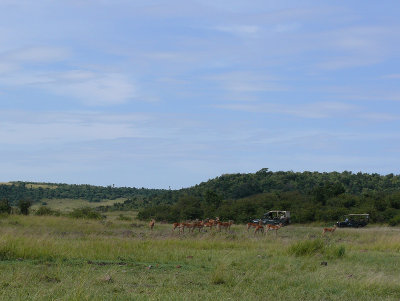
[313, 196]
[38, 192]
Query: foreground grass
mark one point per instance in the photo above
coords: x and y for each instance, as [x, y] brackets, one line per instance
[58, 258]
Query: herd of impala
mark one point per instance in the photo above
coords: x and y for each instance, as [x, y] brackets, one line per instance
[201, 225]
[260, 228]
[210, 223]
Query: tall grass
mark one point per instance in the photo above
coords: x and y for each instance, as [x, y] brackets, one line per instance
[317, 246]
[61, 258]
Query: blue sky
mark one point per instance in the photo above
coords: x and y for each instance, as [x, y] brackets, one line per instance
[171, 93]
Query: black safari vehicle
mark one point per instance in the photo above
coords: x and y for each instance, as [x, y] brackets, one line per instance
[354, 221]
[274, 218]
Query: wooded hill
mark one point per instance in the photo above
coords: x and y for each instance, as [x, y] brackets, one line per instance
[38, 192]
[310, 196]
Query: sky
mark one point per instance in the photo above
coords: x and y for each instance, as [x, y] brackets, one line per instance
[161, 94]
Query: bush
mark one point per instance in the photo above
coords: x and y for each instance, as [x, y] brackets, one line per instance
[219, 275]
[394, 221]
[47, 211]
[85, 212]
[24, 206]
[317, 246]
[122, 217]
[336, 251]
[307, 247]
[5, 206]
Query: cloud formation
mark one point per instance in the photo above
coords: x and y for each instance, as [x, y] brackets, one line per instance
[91, 87]
[178, 91]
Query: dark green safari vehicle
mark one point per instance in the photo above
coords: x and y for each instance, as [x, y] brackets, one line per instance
[354, 221]
[274, 217]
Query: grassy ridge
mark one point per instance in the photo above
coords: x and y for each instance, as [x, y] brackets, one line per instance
[67, 205]
[47, 258]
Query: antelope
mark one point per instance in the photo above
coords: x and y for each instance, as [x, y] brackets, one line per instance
[250, 225]
[191, 226]
[259, 227]
[226, 225]
[151, 224]
[199, 225]
[274, 227]
[329, 230]
[208, 224]
[180, 226]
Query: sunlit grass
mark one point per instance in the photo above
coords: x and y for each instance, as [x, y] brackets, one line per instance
[48, 258]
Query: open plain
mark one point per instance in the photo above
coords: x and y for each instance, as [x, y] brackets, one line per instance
[60, 258]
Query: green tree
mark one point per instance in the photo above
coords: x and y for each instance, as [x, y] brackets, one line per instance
[5, 206]
[24, 206]
[212, 198]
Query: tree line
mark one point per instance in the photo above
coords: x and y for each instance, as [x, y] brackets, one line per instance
[310, 196]
[37, 192]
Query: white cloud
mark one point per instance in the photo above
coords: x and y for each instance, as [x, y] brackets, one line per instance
[392, 76]
[380, 117]
[286, 27]
[356, 46]
[6, 67]
[246, 30]
[238, 82]
[317, 110]
[93, 88]
[348, 61]
[90, 87]
[20, 128]
[37, 54]
[314, 110]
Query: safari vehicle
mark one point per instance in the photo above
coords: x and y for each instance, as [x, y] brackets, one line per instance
[274, 218]
[354, 221]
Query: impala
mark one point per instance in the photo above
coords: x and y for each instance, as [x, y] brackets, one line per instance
[199, 225]
[180, 226]
[252, 225]
[190, 226]
[274, 227]
[151, 224]
[225, 225]
[329, 230]
[260, 228]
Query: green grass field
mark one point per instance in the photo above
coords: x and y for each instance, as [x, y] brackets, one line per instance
[60, 258]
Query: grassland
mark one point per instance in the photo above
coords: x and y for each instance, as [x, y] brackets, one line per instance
[59, 258]
[66, 205]
[33, 185]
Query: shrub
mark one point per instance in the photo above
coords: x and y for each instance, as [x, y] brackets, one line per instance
[47, 211]
[394, 221]
[317, 246]
[307, 247]
[5, 206]
[122, 217]
[24, 206]
[85, 212]
[219, 275]
[336, 251]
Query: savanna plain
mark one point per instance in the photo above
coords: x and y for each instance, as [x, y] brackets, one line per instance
[120, 258]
